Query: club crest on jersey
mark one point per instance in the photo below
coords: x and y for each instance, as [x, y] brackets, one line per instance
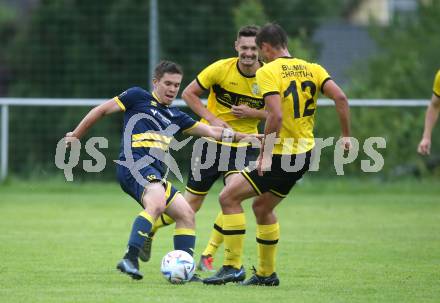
[255, 89]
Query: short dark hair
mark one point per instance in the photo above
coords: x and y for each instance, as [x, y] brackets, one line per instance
[248, 31]
[166, 67]
[273, 34]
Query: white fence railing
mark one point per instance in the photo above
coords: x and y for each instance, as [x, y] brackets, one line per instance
[6, 102]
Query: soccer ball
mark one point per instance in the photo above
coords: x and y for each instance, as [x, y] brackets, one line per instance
[177, 267]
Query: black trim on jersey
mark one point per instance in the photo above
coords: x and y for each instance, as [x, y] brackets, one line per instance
[435, 94]
[200, 84]
[323, 82]
[286, 57]
[241, 73]
[270, 93]
[218, 228]
[267, 242]
[227, 98]
[163, 219]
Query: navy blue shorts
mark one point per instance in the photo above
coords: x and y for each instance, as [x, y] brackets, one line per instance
[136, 190]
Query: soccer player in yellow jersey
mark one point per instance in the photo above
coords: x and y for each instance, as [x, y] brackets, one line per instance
[234, 101]
[432, 112]
[290, 89]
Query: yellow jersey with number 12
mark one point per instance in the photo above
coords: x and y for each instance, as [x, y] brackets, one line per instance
[298, 82]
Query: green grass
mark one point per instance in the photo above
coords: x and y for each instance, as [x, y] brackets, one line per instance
[340, 242]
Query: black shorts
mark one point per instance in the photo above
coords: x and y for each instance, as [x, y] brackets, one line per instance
[280, 179]
[233, 160]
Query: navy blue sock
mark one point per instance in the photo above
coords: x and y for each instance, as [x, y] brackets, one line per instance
[139, 232]
[184, 239]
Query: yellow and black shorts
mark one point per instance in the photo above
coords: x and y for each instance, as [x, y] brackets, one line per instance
[223, 165]
[282, 176]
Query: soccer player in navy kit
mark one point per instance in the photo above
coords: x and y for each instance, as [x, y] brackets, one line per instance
[149, 125]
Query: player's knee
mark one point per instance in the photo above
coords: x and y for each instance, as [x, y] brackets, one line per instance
[155, 207]
[226, 197]
[260, 210]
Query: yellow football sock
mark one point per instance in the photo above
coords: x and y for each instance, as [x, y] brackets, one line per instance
[216, 238]
[267, 239]
[234, 228]
[163, 220]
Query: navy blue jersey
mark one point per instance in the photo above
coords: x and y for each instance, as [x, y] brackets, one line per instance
[149, 126]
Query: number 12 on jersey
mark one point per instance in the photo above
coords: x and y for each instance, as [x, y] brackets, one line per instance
[292, 89]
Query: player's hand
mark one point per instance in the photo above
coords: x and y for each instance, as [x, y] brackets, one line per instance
[69, 138]
[263, 163]
[218, 122]
[346, 143]
[424, 147]
[241, 136]
[241, 111]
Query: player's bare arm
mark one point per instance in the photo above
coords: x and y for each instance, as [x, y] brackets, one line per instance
[431, 117]
[219, 133]
[334, 92]
[94, 115]
[191, 95]
[273, 125]
[244, 111]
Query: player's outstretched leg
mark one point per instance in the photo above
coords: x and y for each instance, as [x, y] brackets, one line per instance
[184, 233]
[154, 204]
[139, 233]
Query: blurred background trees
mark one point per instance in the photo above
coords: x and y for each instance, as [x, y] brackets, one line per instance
[83, 49]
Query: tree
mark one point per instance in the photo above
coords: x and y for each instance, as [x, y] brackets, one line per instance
[408, 57]
[404, 68]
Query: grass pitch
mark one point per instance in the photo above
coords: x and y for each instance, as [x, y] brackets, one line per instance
[340, 242]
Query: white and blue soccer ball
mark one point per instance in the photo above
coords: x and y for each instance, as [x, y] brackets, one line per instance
[177, 267]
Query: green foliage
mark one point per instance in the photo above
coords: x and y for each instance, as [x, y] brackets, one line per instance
[84, 49]
[408, 58]
[196, 33]
[249, 12]
[401, 129]
[299, 48]
[298, 16]
[404, 68]
[67, 45]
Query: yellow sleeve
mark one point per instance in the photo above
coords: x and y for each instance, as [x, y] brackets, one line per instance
[209, 76]
[267, 82]
[119, 102]
[321, 74]
[436, 86]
